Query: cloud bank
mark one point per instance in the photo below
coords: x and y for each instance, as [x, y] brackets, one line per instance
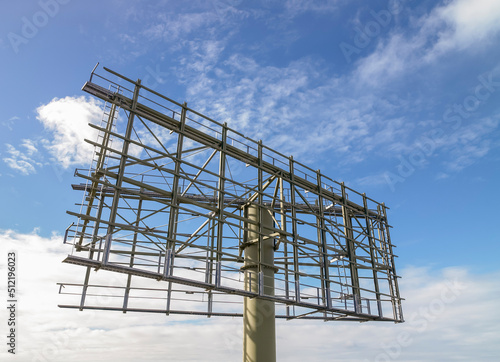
[450, 313]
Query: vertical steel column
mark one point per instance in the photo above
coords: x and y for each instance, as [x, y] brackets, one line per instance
[172, 221]
[95, 236]
[174, 208]
[349, 237]
[132, 255]
[285, 243]
[209, 264]
[294, 232]
[121, 171]
[261, 210]
[393, 278]
[220, 193]
[325, 280]
[259, 326]
[369, 231]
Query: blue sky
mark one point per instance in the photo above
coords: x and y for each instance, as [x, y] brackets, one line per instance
[399, 99]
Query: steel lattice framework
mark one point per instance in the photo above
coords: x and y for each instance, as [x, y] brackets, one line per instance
[164, 209]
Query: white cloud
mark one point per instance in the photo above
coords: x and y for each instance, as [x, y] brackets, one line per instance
[441, 176]
[67, 119]
[450, 314]
[455, 26]
[469, 24]
[25, 161]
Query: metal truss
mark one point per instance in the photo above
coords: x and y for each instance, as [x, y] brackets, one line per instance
[164, 210]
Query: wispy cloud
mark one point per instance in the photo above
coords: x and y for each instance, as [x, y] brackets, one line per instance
[293, 108]
[297, 108]
[9, 124]
[462, 147]
[371, 180]
[25, 159]
[171, 27]
[454, 148]
[470, 143]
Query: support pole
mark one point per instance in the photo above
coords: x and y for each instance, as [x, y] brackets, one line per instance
[259, 330]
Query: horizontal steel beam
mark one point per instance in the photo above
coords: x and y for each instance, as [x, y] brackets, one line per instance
[70, 259]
